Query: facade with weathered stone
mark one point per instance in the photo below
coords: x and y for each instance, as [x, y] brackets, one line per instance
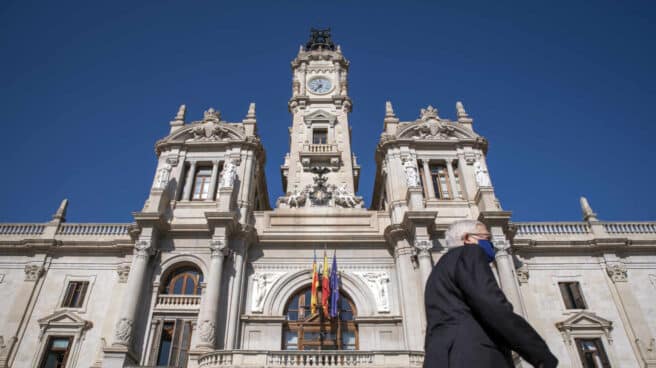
[209, 275]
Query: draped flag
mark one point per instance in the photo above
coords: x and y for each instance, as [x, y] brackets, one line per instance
[325, 285]
[315, 285]
[334, 288]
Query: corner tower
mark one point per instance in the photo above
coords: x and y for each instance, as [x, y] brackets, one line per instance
[320, 136]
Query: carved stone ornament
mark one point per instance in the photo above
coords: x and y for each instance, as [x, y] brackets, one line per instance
[163, 176]
[173, 161]
[228, 175]
[378, 284]
[411, 173]
[296, 198]
[345, 199]
[33, 272]
[123, 272]
[262, 282]
[320, 193]
[142, 248]
[207, 332]
[423, 247]
[123, 333]
[617, 271]
[218, 247]
[428, 113]
[522, 274]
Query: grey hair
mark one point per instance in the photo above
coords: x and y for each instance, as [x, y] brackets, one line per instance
[455, 233]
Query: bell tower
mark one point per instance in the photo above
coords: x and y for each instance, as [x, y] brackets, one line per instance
[320, 136]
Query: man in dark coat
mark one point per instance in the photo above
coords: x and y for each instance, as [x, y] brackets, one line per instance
[470, 323]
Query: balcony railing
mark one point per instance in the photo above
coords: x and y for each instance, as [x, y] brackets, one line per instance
[178, 302]
[630, 227]
[93, 229]
[302, 359]
[320, 148]
[21, 229]
[552, 228]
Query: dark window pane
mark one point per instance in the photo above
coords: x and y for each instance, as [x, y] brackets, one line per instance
[165, 344]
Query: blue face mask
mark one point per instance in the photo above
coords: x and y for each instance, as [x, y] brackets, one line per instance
[488, 247]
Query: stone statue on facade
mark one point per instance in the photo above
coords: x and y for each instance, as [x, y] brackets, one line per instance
[411, 173]
[228, 175]
[482, 177]
[296, 198]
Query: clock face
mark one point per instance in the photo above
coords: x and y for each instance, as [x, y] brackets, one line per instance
[320, 85]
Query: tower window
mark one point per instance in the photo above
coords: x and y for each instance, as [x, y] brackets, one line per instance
[592, 353]
[572, 296]
[320, 136]
[56, 353]
[202, 183]
[440, 178]
[75, 293]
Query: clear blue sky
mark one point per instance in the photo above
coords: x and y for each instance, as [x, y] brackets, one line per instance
[564, 91]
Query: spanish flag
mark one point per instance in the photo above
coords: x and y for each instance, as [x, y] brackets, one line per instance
[325, 285]
[315, 286]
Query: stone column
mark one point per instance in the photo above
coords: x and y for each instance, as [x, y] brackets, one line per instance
[642, 339]
[505, 269]
[189, 182]
[414, 324]
[213, 178]
[124, 329]
[232, 329]
[208, 314]
[428, 180]
[423, 248]
[452, 179]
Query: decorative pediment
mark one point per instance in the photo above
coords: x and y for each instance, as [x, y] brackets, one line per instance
[64, 320]
[434, 130]
[320, 115]
[584, 323]
[206, 131]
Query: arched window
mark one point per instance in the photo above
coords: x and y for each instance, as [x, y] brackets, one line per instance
[184, 280]
[303, 330]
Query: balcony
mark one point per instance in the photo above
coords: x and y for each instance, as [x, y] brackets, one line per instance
[178, 303]
[300, 359]
[320, 155]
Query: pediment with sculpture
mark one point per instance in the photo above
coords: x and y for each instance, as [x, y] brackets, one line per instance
[210, 129]
[430, 126]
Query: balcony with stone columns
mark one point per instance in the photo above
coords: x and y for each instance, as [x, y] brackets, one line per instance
[288, 358]
[320, 154]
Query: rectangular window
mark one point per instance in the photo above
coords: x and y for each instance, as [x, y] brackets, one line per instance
[172, 346]
[440, 178]
[592, 353]
[56, 353]
[202, 183]
[572, 295]
[75, 293]
[320, 136]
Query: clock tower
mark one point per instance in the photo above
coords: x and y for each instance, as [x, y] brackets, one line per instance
[320, 166]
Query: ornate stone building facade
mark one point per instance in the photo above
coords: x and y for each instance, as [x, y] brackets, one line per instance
[208, 275]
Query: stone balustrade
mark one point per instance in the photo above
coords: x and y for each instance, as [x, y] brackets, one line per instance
[21, 229]
[551, 228]
[320, 148]
[93, 229]
[178, 302]
[289, 358]
[630, 227]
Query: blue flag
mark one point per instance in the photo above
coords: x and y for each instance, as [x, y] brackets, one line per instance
[334, 289]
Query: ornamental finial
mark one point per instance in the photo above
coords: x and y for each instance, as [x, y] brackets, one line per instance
[429, 113]
[60, 215]
[181, 113]
[460, 110]
[251, 111]
[389, 111]
[588, 214]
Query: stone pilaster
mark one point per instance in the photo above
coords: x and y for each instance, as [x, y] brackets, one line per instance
[505, 268]
[423, 249]
[428, 180]
[208, 315]
[18, 313]
[452, 179]
[239, 255]
[642, 340]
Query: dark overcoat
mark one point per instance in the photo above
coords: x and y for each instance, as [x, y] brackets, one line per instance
[470, 323]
